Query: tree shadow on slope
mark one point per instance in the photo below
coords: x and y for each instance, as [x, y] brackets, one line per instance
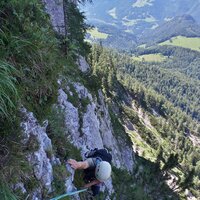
[146, 183]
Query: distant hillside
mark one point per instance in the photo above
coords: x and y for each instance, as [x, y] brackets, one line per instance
[182, 25]
[112, 37]
[179, 59]
[128, 19]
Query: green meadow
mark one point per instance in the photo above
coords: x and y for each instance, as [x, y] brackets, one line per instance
[150, 58]
[185, 42]
[96, 34]
[112, 13]
[142, 3]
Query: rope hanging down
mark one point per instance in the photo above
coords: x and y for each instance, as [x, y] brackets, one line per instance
[69, 194]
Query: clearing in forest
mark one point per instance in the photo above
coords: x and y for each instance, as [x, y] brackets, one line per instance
[150, 58]
[96, 34]
[185, 42]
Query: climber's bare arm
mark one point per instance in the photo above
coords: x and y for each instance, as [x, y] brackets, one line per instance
[78, 165]
[95, 182]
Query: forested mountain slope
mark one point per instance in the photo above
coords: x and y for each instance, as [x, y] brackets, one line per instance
[54, 106]
[177, 78]
[184, 25]
[160, 131]
[180, 59]
[142, 13]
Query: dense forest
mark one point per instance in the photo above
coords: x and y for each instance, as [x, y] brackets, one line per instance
[122, 79]
[177, 78]
[180, 59]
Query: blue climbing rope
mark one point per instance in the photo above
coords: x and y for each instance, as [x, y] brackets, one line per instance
[69, 194]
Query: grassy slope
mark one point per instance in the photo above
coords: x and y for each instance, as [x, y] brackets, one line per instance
[142, 3]
[150, 58]
[96, 34]
[112, 13]
[192, 43]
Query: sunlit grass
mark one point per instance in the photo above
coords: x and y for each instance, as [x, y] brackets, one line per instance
[142, 46]
[96, 34]
[149, 19]
[129, 31]
[129, 22]
[88, 40]
[143, 148]
[154, 26]
[150, 58]
[8, 91]
[142, 3]
[132, 22]
[186, 42]
[112, 13]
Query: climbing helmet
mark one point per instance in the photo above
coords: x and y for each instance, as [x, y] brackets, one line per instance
[103, 171]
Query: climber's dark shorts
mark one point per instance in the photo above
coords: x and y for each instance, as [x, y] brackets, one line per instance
[95, 190]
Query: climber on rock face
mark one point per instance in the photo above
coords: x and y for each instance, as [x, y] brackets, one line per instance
[97, 168]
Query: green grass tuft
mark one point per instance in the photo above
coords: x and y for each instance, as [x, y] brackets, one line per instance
[5, 193]
[60, 175]
[8, 90]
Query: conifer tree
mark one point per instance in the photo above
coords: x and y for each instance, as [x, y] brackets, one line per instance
[171, 162]
[74, 37]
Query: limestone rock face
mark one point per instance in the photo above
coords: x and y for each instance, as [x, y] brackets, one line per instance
[83, 65]
[55, 9]
[89, 126]
[71, 115]
[95, 131]
[122, 153]
[92, 128]
[19, 186]
[36, 137]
